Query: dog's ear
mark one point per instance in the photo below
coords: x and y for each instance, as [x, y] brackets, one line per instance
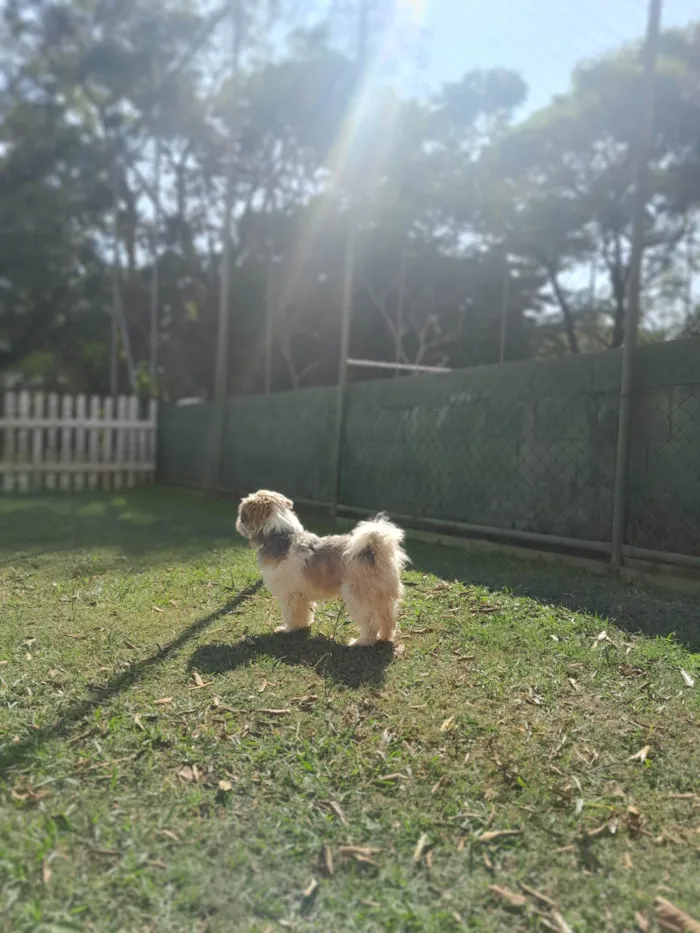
[277, 498]
[255, 511]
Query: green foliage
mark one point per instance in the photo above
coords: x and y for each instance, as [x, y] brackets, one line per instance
[447, 191]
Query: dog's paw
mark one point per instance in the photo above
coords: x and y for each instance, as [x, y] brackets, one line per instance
[360, 643]
[282, 630]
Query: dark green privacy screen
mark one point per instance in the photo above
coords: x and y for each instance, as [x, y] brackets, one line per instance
[528, 446]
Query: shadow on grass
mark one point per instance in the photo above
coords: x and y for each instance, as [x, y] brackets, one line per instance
[144, 525]
[13, 756]
[635, 608]
[352, 667]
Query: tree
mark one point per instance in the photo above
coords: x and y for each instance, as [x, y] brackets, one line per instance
[571, 174]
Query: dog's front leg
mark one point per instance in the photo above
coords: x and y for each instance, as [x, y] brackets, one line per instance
[297, 614]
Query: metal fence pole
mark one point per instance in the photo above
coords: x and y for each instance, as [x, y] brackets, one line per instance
[116, 296]
[221, 372]
[505, 302]
[634, 279]
[155, 283]
[271, 295]
[346, 315]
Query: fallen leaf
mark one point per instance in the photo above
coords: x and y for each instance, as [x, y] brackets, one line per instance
[513, 899]
[263, 686]
[641, 922]
[46, 872]
[29, 641]
[4, 662]
[627, 671]
[274, 712]
[437, 785]
[634, 819]
[338, 810]
[169, 834]
[602, 636]
[674, 919]
[667, 836]
[573, 683]
[327, 860]
[137, 720]
[225, 786]
[310, 889]
[27, 657]
[447, 724]
[130, 645]
[394, 776]
[688, 680]
[599, 830]
[307, 700]
[419, 851]
[28, 794]
[362, 854]
[560, 924]
[498, 834]
[538, 896]
[157, 609]
[163, 701]
[641, 755]
[199, 683]
[187, 774]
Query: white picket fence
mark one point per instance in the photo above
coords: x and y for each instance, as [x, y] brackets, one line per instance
[68, 442]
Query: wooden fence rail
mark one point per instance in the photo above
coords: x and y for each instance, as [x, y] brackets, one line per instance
[68, 442]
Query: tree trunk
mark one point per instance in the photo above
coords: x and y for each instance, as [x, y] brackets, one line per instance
[571, 337]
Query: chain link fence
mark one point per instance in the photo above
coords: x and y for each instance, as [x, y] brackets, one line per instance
[525, 451]
[664, 482]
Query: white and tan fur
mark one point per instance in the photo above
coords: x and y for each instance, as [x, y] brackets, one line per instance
[298, 567]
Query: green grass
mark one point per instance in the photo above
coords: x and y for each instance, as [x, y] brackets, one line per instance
[504, 712]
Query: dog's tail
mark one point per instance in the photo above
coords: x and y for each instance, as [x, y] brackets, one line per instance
[377, 543]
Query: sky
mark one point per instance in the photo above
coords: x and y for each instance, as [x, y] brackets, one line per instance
[541, 39]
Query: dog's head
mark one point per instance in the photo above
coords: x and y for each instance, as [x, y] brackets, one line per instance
[262, 511]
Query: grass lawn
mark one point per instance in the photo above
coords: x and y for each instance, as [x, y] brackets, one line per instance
[168, 764]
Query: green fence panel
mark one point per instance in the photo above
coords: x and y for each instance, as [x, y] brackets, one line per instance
[283, 441]
[513, 447]
[528, 446]
[185, 438]
[663, 510]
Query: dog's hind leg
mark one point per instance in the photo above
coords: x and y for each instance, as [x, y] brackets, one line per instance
[387, 621]
[364, 616]
[297, 614]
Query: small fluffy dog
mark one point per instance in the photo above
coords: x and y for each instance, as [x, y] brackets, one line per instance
[298, 567]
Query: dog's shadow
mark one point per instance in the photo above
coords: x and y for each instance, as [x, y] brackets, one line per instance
[352, 667]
